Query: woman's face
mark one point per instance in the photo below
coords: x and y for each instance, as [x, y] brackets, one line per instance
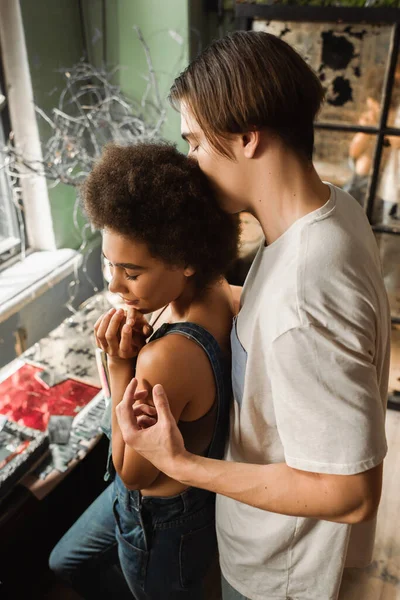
[142, 281]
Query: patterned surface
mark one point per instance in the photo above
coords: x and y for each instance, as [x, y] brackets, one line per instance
[70, 349]
[68, 352]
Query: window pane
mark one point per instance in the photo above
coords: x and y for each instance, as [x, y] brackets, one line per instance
[345, 159]
[394, 109]
[9, 231]
[349, 60]
[389, 249]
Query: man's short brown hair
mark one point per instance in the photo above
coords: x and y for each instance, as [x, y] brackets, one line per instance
[251, 80]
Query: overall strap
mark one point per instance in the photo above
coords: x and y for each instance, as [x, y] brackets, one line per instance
[221, 372]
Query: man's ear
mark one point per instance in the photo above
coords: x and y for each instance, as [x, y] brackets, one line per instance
[250, 142]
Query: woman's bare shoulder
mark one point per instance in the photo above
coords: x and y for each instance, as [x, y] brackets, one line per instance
[169, 356]
[179, 364]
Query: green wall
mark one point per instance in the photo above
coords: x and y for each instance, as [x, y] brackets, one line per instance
[156, 18]
[56, 39]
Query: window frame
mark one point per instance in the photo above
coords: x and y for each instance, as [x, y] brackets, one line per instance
[22, 118]
[12, 245]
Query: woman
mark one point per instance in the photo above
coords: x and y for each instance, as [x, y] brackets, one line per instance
[168, 245]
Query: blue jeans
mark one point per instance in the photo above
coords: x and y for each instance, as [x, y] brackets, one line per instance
[229, 593]
[154, 548]
[87, 555]
[165, 546]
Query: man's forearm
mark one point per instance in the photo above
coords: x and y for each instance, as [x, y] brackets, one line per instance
[275, 488]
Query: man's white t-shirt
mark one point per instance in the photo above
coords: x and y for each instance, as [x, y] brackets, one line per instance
[310, 371]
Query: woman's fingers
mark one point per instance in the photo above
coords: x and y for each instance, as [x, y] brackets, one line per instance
[145, 422]
[147, 330]
[100, 332]
[144, 409]
[97, 324]
[125, 345]
[111, 334]
[139, 322]
[116, 337]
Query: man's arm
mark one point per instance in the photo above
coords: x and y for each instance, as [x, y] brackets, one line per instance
[275, 487]
[279, 488]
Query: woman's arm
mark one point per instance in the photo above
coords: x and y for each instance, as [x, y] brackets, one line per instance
[118, 340]
[179, 364]
[175, 361]
[140, 473]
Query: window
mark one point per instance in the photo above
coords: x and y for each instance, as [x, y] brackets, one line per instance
[355, 50]
[10, 236]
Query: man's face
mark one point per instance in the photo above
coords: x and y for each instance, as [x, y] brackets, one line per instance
[227, 175]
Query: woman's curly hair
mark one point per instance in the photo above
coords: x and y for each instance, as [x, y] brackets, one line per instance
[154, 194]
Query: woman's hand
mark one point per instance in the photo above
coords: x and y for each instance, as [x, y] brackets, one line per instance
[121, 336]
[146, 414]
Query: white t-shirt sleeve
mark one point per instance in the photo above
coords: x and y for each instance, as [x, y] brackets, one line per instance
[326, 398]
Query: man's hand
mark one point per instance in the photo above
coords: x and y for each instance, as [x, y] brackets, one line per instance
[121, 336]
[152, 432]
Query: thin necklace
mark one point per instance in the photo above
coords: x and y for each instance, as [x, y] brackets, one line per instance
[159, 315]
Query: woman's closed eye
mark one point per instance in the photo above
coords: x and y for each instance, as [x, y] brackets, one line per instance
[127, 276]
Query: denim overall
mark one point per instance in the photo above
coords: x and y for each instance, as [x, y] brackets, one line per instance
[166, 545]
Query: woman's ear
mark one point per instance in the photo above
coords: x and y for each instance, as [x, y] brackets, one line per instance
[189, 271]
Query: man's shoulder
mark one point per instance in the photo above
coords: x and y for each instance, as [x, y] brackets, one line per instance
[339, 243]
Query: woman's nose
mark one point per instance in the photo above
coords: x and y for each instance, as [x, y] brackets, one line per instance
[116, 284]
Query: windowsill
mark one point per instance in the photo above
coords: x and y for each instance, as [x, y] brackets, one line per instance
[26, 280]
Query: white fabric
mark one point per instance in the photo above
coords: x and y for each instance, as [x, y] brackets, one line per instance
[315, 326]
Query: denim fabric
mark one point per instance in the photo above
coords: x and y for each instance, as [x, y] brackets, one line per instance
[87, 555]
[165, 546]
[229, 593]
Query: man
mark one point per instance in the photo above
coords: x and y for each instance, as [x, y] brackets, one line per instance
[301, 483]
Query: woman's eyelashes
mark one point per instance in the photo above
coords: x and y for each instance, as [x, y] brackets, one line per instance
[129, 277]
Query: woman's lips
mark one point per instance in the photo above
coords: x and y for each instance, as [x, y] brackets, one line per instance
[130, 302]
